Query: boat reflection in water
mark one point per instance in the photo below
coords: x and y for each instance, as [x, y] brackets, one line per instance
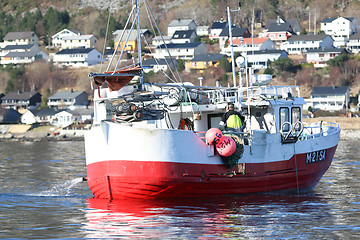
[234, 217]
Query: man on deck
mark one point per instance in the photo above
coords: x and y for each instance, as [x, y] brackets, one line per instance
[232, 120]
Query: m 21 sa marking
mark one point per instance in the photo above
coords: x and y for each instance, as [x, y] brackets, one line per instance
[316, 156]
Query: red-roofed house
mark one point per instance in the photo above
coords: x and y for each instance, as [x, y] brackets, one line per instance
[249, 44]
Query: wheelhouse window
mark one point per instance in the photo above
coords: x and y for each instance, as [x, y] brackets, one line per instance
[296, 117]
[284, 117]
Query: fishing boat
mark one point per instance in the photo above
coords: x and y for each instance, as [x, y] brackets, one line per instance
[152, 140]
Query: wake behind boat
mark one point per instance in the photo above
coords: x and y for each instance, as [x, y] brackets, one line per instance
[151, 140]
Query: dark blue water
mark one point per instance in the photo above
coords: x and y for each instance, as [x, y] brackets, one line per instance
[42, 197]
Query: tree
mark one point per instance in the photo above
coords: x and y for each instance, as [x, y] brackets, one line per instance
[225, 64]
[181, 65]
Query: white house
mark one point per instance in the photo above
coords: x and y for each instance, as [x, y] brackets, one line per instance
[81, 41]
[298, 44]
[57, 38]
[181, 24]
[320, 56]
[77, 57]
[16, 38]
[339, 28]
[329, 98]
[216, 28]
[68, 99]
[249, 45]
[44, 116]
[65, 118]
[203, 31]
[183, 51]
[237, 33]
[158, 40]
[259, 59]
[353, 44]
[22, 54]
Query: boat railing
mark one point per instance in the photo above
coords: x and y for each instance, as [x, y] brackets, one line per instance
[319, 129]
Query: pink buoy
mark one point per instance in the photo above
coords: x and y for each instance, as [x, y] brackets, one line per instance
[213, 136]
[226, 147]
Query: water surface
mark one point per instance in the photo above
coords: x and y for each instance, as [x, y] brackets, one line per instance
[42, 197]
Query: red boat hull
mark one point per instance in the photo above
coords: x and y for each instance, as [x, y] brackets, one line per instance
[142, 179]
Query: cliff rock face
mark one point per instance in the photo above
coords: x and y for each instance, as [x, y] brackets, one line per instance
[114, 5]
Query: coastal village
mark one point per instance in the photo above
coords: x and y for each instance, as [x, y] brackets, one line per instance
[188, 44]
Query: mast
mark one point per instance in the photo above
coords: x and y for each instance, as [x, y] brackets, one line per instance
[139, 43]
[231, 42]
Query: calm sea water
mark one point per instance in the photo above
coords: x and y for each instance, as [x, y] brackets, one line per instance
[42, 197]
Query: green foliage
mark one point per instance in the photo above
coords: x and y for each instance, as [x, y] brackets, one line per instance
[6, 24]
[55, 21]
[338, 61]
[29, 21]
[284, 65]
[181, 65]
[103, 20]
[44, 99]
[225, 64]
[15, 74]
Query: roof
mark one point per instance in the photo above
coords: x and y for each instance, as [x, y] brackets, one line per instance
[160, 61]
[180, 22]
[82, 111]
[31, 53]
[183, 34]
[181, 45]
[280, 27]
[207, 58]
[249, 41]
[236, 32]
[334, 90]
[19, 95]
[45, 112]
[9, 115]
[81, 37]
[219, 25]
[66, 95]
[18, 47]
[355, 36]
[75, 51]
[18, 35]
[326, 50]
[329, 20]
[133, 35]
[295, 24]
[267, 52]
[304, 37]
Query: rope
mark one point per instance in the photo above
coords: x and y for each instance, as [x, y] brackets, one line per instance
[296, 171]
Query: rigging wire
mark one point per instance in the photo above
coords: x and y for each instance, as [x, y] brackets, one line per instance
[162, 37]
[127, 39]
[106, 35]
[122, 34]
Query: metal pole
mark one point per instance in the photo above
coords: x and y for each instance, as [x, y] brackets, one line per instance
[139, 43]
[232, 49]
